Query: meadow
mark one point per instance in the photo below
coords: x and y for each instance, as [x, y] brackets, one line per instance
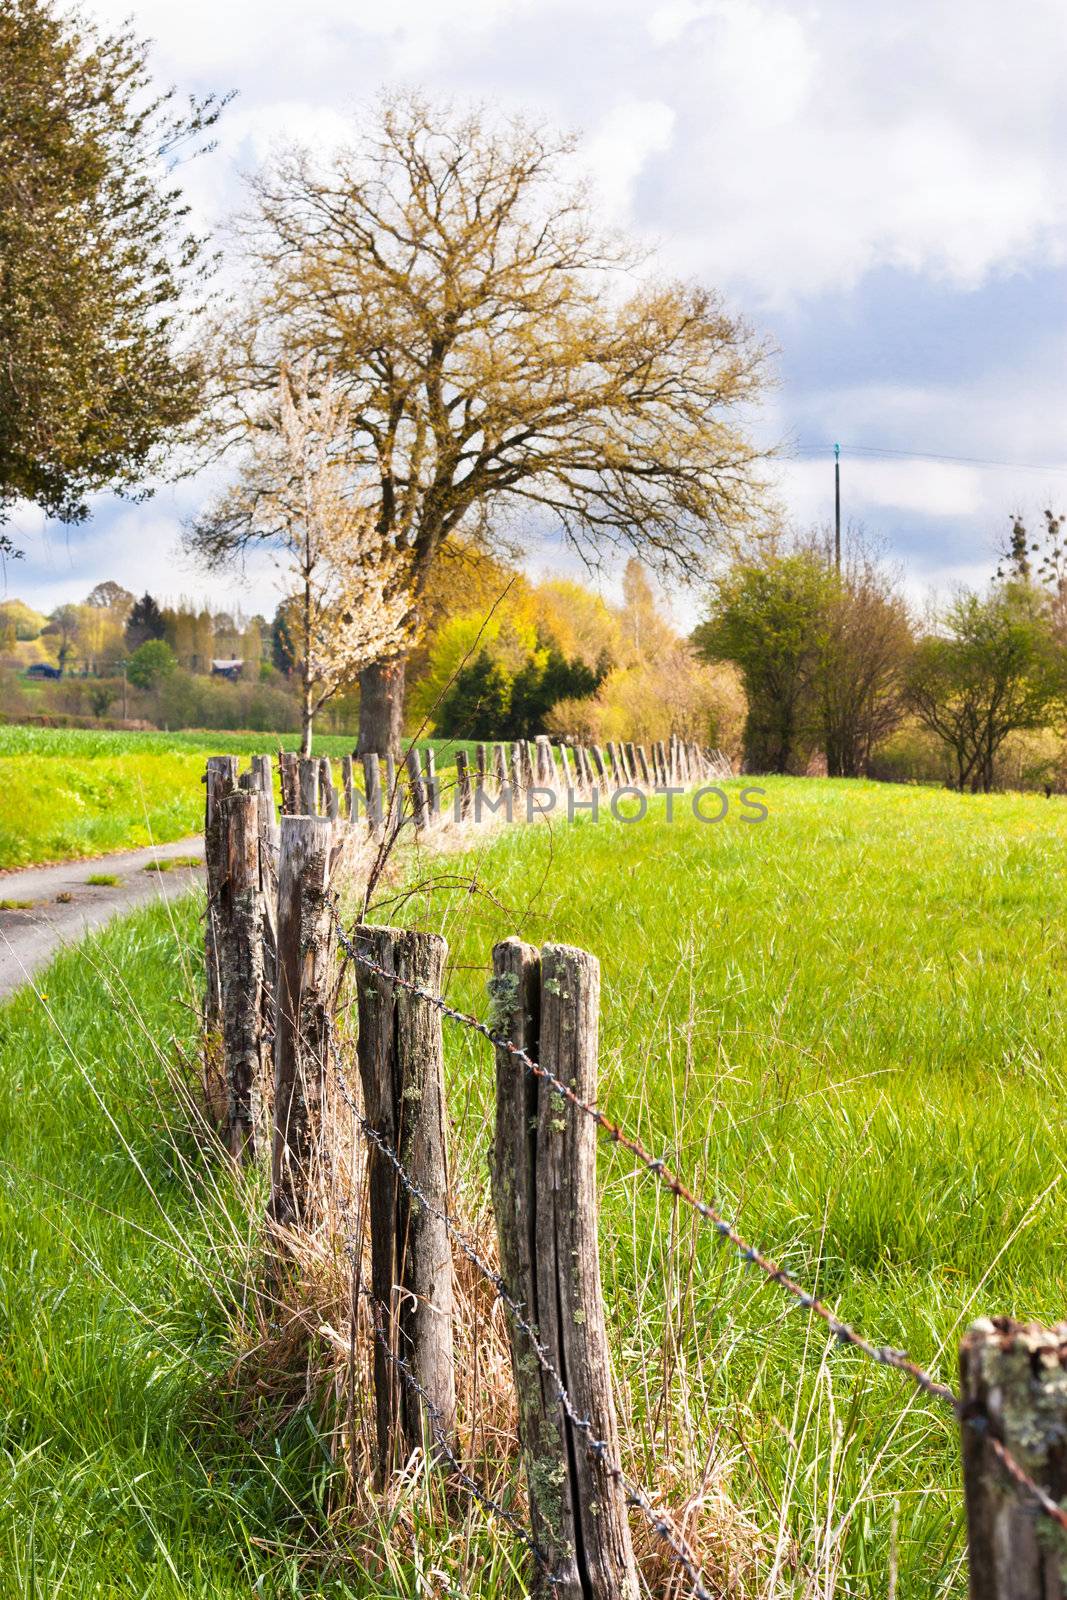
[74, 792]
[845, 1025]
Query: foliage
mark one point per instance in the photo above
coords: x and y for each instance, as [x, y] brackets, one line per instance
[866, 648]
[98, 260]
[485, 701]
[151, 662]
[769, 618]
[993, 669]
[23, 619]
[145, 621]
[111, 596]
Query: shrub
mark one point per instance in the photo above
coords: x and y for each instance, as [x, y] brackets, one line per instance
[151, 662]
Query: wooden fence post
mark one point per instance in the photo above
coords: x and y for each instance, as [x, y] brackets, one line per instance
[432, 795]
[544, 1189]
[372, 784]
[326, 789]
[642, 764]
[500, 768]
[290, 783]
[400, 1065]
[1013, 1389]
[418, 793]
[243, 943]
[463, 778]
[220, 780]
[307, 793]
[348, 783]
[302, 1023]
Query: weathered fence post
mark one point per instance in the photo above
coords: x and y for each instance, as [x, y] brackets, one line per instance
[432, 795]
[287, 771]
[463, 779]
[307, 789]
[303, 993]
[1013, 1390]
[327, 790]
[418, 793]
[500, 768]
[400, 1065]
[242, 944]
[372, 784]
[348, 783]
[220, 780]
[544, 1192]
[642, 763]
[600, 775]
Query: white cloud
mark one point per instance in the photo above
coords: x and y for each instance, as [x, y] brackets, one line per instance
[619, 151]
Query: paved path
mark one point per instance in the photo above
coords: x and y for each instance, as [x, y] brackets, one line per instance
[29, 938]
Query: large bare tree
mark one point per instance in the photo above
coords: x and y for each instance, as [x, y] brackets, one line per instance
[501, 355]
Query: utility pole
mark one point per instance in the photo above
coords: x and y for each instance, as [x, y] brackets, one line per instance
[837, 508]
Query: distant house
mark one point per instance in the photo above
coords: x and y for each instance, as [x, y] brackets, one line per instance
[41, 669]
[227, 669]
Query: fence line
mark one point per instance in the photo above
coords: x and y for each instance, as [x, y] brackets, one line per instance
[1008, 1560]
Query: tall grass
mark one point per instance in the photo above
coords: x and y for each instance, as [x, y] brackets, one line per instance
[845, 1025]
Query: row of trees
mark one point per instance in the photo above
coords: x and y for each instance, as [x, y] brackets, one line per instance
[833, 663]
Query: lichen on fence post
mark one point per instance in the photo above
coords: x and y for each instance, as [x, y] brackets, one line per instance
[1013, 1390]
[401, 1070]
[304, 992]
[544, 1195]
[220, 780]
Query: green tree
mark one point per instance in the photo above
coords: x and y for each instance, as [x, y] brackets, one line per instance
[769, 617]
[145, 621]
[150, 663]
[991, 669]
[96, 259]
[478, 704]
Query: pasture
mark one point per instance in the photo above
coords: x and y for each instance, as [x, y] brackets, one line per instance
[72, 792]
[845, 1025]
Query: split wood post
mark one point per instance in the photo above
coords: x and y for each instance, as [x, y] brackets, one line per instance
[220, 780]
[270, 840]
[664, 767]
[1013, 1389]
[567, 781]
[418, 793]
[642, 763]
[618, 771]
[585, 767]
[394, 799]
[546, 772]
[433, 798]
[529, 760]
[246, 987]
[348, 783]
[600, 779]
[463, 779]
[372, 783]
[517, 784]
[480, 768]
[302, 1022]
[630, 756]
[288, 767]
[330, 805]
[400, 1066]
[500, 768]
[308, 787]
[544, 1197]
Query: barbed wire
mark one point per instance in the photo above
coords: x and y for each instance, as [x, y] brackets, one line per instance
[634, 1495]
[843, 1332]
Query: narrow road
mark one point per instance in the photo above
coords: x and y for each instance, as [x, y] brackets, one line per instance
[64, 905]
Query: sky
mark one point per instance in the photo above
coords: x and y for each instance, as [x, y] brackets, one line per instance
[880, 190]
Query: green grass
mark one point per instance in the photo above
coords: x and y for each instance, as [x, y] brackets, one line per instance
[103, 880]
[8, 904]
[845, 1025]
[73, 792]
[116, 1476]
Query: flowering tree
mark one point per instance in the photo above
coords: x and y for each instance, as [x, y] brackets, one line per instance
[348, 601]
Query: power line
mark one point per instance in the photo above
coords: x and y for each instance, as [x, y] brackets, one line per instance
[929, 455]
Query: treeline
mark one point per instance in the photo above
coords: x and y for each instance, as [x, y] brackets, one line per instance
[839, 675]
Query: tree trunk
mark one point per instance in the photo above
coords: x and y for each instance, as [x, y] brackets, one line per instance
[381, 708]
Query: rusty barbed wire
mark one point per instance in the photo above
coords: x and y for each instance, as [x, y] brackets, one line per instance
[634, 1495]
[843, 1332]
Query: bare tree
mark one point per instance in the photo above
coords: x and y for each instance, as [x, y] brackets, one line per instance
[866, 647]
[349, 599]
[498, 353]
